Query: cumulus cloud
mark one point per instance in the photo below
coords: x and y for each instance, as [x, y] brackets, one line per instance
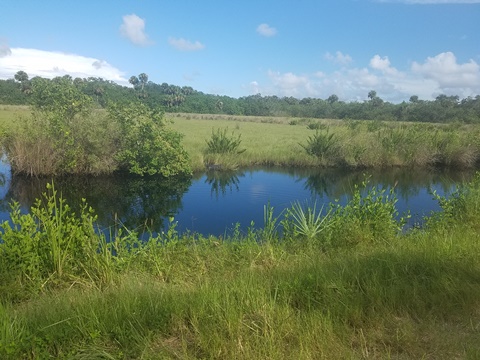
[185, 45]
[445, 70]
[383, 65]
[133, 28]
[266, 30]
[290, 84]
[440, 74]
[51, 64]
[339, 58]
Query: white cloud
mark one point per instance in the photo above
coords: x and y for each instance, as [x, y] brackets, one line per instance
[185, 45]
[383, 65]
[339, 58]
[133, 28]
[289, 84]
[445, 70]
[51, 64]
[254, 88]
[266, 30]
[440, 74]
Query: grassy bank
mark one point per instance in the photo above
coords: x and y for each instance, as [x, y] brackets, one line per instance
[345, 285]
[302, 142]
[350, 143]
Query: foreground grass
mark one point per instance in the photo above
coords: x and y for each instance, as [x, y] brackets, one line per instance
[282, 141]
[356, 288]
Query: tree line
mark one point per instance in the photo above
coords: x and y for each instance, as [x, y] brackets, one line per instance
[173, 98]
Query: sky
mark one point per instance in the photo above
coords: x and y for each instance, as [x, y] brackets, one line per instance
[301, 48]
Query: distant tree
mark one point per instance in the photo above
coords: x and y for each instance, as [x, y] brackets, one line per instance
[414, 99]
[143, 78]
[187, 90]
[374, 99]
[447, 101]
[219, 105]
[332, 99]
[134, 81]
[21, 76]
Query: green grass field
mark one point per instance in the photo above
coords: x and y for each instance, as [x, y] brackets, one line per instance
[279, 141]
[282, 141]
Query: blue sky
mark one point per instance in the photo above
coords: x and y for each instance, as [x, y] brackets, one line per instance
[301, 48]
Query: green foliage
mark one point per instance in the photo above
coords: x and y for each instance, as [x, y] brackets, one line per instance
[322, 145]
[51, 244]
[370, 215]
[316, 126]
[146, 144]
[443, 109]
[222, 143]
[58, 104]
[271, 223]
[65, 136]
[461, 206]
[306, 221]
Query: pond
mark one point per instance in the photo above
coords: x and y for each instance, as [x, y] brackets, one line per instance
[214, 202]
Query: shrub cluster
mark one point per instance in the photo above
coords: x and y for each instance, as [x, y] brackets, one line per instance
[64, 135]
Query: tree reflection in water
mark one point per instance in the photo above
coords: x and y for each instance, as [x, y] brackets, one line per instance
[133, 202]
[221, 181]
[145, 204]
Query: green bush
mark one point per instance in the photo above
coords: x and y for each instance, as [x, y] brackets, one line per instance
[64, 135]
[51, 244]
[146, 145]
[322, 145]
[222, 143]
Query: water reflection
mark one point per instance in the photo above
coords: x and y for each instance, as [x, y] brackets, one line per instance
[213, 202]
[132, 201]
[223, 181]
[408, 183]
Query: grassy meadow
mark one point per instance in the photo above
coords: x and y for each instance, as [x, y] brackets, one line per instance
[299, 142]
[345, 284]
[348, 143]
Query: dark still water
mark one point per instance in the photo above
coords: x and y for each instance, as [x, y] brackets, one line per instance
[212, 203]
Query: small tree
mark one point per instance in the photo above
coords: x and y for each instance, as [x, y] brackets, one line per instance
[146, 145]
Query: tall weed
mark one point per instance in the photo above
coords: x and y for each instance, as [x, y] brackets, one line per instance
[52, 244]
[370, 215]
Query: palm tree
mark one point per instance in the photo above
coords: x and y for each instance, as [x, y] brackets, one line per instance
[143, 78]
[134, 81]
